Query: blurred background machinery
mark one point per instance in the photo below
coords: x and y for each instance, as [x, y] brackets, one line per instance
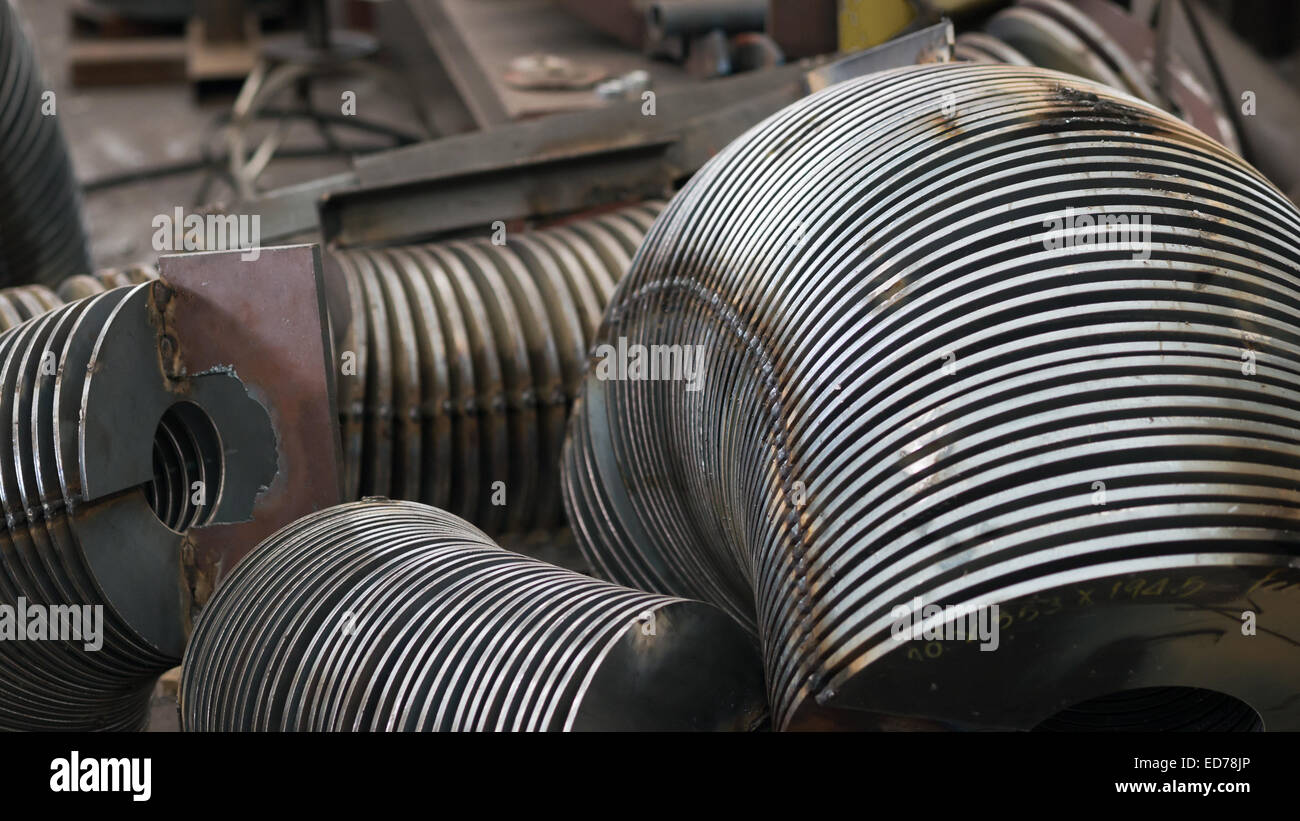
[41, 237]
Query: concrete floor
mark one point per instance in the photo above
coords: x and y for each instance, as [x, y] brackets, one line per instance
[112, 130]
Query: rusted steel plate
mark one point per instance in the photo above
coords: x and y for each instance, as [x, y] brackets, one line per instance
[266, 321]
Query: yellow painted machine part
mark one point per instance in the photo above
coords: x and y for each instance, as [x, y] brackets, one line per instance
[867, 23]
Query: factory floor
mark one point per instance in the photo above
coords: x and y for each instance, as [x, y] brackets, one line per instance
[117, 130]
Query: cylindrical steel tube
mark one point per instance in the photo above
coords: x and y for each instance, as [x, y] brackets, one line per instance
[969, 336]
[379, 615]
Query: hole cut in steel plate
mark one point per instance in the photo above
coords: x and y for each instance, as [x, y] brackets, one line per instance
[265, 321]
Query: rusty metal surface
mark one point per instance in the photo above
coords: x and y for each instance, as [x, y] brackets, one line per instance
[910, 393]
[394, 616]
[265, 321]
